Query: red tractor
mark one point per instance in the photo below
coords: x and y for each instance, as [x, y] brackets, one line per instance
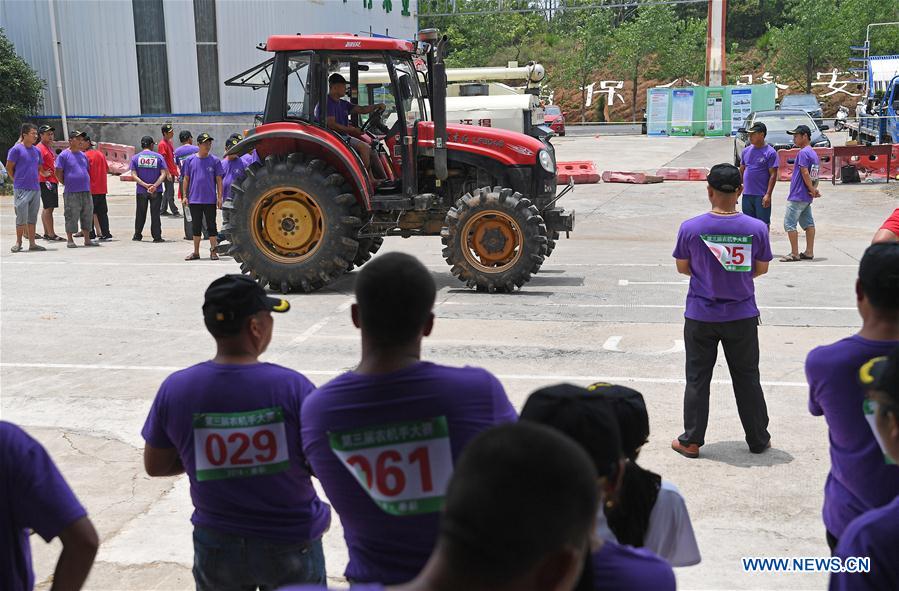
[309, 210]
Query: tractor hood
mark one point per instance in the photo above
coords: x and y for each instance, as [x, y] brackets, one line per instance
[508, 147]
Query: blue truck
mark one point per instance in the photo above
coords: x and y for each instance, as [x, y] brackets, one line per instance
[878, 114]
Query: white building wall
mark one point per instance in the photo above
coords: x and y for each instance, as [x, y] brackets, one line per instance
[99, 58]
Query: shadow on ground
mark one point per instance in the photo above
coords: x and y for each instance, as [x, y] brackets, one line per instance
[736, 453]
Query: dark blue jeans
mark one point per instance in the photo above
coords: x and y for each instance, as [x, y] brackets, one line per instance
[225, 562]
[752, 206]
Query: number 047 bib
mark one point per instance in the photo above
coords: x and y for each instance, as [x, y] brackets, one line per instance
[732, 251]
[404, 467]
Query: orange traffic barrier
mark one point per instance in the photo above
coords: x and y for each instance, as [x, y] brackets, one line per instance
[582, 171]
[634, 178]
[787, 162]
[879, 161]
[683, 174]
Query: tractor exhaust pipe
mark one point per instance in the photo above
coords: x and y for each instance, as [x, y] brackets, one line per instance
[438, 107]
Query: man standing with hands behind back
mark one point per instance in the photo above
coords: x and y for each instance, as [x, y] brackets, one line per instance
[803, 189]
[148, 169]
[758, 166]
[722, 251]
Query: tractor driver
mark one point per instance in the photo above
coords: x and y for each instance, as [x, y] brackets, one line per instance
[339, 112]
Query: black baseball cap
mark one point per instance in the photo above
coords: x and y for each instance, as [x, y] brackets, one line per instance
[882, 374]
[75, 133]
[583, 416]
[235, 135]
[204, 137]
[167, 128]
[336, 78]
[146, 141]
[801, 129]
[878, 273]
[630, 410]
[232, 298]
[184, 136]
[231, 142]
[725, 178]
[758, 126]
[45, 128]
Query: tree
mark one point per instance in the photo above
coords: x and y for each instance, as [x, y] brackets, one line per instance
[815, 38]
[591, 43]
[20, 93]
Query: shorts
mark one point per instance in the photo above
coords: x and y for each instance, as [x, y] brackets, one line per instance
[50, 197]
[27, 203]
[78, 207]
[798, 211]
[752, 206]
[892, 223]
[199, 212]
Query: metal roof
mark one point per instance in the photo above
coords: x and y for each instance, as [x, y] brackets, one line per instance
[337, 41]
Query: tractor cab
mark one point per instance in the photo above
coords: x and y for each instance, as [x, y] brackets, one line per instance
[353, 147]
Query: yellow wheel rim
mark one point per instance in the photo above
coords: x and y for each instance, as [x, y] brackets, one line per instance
[492, 241]
[287, 224]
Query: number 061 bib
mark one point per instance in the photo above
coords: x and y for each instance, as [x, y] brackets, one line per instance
[732, 251]
[404, 467]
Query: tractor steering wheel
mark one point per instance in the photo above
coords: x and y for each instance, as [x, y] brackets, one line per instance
[375, 122]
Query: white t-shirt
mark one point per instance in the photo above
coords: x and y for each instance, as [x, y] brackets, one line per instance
[670, 533]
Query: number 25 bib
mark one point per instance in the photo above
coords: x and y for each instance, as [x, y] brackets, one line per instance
[732, 251]
[404, 467]
[240, 444]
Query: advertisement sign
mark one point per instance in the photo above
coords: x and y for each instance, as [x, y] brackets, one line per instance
[657, 113]
[682, 111]
[740, 107]
[714, 112]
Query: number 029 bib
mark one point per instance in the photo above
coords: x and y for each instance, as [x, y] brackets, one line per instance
[732, 251]
[404, 467]
[240, 444]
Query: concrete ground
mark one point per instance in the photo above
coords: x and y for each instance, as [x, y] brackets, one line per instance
[89, 334]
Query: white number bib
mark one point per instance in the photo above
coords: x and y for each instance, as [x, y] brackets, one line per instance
[733, 252]
[236, 445]
[146, 162]
[404, 467]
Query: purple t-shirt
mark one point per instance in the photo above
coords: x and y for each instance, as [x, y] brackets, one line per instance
[859, 479]
[237, 432]
[807, 158]
[33, 496]
[875, 535]
[359, 587]
[202, 173]
[249, 158]
[757, 162]
[28, 162]
[401, 433]
[148, 165]
[617, 567]
[184, 152]
[234, 173]
[340, 110]
[75, 170]
[721, 250]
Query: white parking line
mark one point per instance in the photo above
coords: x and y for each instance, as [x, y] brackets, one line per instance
[611, 344]
[317, 372]
[626, 282]
[661, 306]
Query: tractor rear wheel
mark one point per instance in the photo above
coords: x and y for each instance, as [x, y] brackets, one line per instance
[494, 239]
[367, 248]
[294, 223]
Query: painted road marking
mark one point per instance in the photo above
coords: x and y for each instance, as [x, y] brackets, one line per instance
[612, 343]
[662, 306]
[318, 372]
[310, 332]
[626, 282]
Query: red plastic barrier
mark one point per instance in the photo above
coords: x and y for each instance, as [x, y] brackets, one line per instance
[118, 156]
[634, 178]
[683, 174]
[787, 162]
[582, 171]
[870, 164]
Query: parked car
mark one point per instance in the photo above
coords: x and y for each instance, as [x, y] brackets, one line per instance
[803, 102]
[778, 124]
[555, 118]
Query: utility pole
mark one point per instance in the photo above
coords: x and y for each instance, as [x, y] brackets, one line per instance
[715, 46]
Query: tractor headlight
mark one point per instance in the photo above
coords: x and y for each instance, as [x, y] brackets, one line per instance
[546, 161]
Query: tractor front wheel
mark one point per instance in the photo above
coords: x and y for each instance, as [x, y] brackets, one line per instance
[494, 239]
[294, 223]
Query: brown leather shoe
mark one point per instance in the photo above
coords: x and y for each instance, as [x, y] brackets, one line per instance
[691, 450]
